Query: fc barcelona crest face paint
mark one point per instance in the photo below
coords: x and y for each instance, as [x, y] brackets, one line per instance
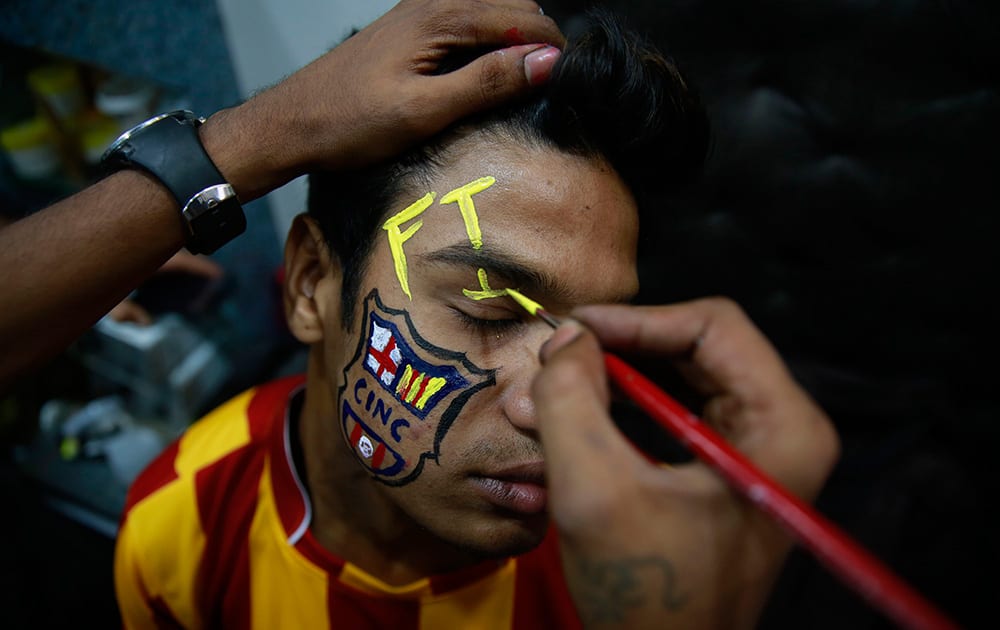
[402, 394]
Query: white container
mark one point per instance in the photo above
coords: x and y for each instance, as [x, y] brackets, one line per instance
[128, 101]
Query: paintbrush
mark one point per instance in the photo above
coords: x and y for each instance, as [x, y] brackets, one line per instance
[845, 558]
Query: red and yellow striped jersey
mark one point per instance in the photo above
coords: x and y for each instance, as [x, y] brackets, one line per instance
[216, 534]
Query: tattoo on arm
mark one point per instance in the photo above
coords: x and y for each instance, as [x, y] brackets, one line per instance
[611, 588]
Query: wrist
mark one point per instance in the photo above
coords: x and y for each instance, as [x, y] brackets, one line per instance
[247, 148]
[168, 146]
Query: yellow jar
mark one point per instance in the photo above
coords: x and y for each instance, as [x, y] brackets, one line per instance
[31, 148]
[60, 88]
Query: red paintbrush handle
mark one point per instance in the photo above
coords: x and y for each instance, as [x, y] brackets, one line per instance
[846, 559]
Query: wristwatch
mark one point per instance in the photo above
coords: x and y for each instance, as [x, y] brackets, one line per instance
[168, 147]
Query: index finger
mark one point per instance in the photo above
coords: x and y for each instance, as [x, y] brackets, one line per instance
[586, 457]
[498, 26]
[776, 423]
[714, 334]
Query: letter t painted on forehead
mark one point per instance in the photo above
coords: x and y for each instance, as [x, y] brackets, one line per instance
[397, 238]
[463, 195]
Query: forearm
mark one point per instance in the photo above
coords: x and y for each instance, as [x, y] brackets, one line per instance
[252, 147]
[66, 266]
[69, 264]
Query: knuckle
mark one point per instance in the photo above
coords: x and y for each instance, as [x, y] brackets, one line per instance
[548, 30]
[551, 26]
[492, 78]
[808, 452]
[443, 8]
[560, 378]
[724, 306]
[462, 18]
[448, 23]
[828, 444]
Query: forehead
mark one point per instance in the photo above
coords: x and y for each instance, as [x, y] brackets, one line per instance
[567, 217]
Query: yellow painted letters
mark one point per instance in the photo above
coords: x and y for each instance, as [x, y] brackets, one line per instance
[397, 238]
[486, 291]
[463, 195]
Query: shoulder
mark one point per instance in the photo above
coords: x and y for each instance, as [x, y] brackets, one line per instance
[187, 513]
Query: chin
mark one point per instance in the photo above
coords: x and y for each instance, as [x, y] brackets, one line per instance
[503, 537]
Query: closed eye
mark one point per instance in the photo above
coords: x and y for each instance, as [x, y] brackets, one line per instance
[487, 326]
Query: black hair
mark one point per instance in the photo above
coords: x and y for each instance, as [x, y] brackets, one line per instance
[611, 95]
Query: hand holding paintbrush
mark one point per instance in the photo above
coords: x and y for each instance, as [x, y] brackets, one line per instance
[650, 546]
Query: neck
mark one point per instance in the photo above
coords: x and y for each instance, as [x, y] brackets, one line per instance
[353, 516]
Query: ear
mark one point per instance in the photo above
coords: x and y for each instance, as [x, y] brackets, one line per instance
[311, 293]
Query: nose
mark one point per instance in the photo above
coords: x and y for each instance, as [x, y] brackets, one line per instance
[520, 409]
[518, 406]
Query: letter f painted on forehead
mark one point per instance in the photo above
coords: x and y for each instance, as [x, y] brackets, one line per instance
[397, 238]
[463, 195]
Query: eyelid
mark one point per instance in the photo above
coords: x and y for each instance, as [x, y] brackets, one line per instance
[486, 324]
[500, 306]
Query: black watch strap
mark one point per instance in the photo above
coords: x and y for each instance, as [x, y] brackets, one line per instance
[169, 148]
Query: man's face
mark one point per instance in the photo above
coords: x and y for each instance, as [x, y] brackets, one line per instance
[433, 395]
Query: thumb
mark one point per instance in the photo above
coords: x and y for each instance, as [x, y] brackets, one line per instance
[498, 76]
[583, 449]
[538, 64]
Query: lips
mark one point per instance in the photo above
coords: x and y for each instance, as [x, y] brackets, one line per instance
[518, 489]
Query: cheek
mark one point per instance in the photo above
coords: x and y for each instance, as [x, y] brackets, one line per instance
[384, 433]
[401, 395]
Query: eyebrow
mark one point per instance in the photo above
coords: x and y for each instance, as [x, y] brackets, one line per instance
[500, 264]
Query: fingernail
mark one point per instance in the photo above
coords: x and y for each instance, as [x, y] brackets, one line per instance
[520, 49]
[538, 64]
[567, 332]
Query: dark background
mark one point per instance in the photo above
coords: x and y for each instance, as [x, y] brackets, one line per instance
[849, 206]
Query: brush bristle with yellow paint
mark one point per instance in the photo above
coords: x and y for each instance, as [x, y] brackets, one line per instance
[533, 307]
